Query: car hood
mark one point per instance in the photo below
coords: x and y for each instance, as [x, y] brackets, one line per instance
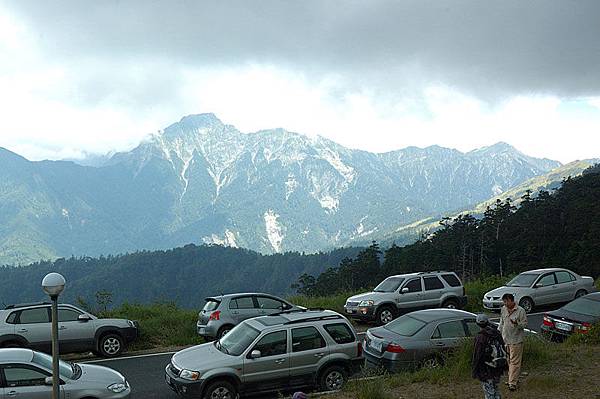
[99, 374]
[374, 296]
[122, 323]
[200, 357]
[562, 314]
[516, 291]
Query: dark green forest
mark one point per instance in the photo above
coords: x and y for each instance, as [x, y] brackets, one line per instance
[183, 275]
[549, 229]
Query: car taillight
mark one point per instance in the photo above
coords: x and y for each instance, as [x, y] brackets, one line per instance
[548, 321]
[359, 349]
[394, 348]
[584, 328]
[215, 315]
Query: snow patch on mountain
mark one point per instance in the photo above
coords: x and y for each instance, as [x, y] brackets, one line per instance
[274, 229]
[290, 186]
[228, 239]
[497, 190]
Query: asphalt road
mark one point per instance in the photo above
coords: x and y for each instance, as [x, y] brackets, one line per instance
[145, 373]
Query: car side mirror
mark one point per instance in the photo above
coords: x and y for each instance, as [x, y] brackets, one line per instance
[404, 290]
[255, 354]
[48, 381]
[84, 318]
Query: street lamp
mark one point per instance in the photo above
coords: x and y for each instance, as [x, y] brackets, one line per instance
[53, 284]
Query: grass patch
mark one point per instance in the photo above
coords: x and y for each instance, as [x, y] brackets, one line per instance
[369, 389]
[591, 338]
[476, 289]
[333, 302]
[161, 324]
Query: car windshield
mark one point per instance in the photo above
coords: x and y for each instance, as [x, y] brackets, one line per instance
[65, 369]
[584, 306]
[405, 325]
[237, 340]
[523, 280]
[390, 284]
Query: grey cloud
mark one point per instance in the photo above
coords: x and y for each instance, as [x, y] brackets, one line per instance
[487, 48]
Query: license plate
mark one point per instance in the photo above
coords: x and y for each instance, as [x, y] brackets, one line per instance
[349, 311]
[563, 326]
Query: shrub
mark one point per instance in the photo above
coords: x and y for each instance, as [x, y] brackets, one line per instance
[591, 338]
[333, 302]
[476, 289]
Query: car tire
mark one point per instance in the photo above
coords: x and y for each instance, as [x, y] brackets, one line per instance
[223, 331]
[221, 389]
[432, 362]
[333, 379]
[111, 345]
[450, 304]
[580, 293]
[384, 315]
[527, 304]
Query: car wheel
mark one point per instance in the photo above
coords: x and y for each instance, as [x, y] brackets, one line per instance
[333, 379]
[527, 304]
[385, 314]
[221, 390]
[450, 304]
[111, 345]
[431, 363]
[223, 331]
[580, 293]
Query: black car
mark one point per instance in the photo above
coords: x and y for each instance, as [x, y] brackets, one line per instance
[575, 317]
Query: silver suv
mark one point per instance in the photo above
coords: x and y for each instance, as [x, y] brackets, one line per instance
[221, 313]
[279, 352]
[407, 292]
[29, 326]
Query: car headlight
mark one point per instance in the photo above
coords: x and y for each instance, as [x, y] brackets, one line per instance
[366, 303]
[118, 387]
[131, 323]
[189, 375]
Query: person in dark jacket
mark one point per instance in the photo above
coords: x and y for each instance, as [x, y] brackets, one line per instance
[482, 371]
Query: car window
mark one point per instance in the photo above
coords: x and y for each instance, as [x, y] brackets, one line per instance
[405, 325]
[451, 329]
[12, 318]
[211, 305]
[269, 303]
[236, 341]
[522, 280]
[272, 344]
[340, 333]
[546, 280]
[472, 327]
[244, 302]
[306, 338]
[564, 277]
[414, 285]
[452, 280]
[67, 315]
[19, 376]
[36, 315]
[432, 283]
[390, 284]
[584, 306]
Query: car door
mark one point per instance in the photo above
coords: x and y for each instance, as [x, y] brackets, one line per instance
[413, 298]
[34, 325]
[242, 308]
[272, 369]
[448, 335]
[545, 289]
[434, 289]
[74, 335]
[268, 305]
[471, 327]
[567, 286]
[308, 351]
[24, 381]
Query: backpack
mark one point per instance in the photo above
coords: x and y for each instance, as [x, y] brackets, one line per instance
[497, 357]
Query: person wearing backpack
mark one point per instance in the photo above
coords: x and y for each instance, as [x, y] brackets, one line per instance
[489, 358]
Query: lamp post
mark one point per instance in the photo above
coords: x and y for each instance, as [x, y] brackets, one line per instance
[53, 284]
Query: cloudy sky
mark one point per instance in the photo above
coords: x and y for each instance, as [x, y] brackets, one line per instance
[99, 76]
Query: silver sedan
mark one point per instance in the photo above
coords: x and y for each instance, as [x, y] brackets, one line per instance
[25, 373]
[541, 287]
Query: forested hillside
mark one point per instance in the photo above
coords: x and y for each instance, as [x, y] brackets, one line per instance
[558, 229]
[184, 275]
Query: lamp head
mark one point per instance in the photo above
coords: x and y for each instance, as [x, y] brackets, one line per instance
[53, 284]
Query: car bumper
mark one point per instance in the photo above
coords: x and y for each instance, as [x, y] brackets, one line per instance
[392, 366]
[492, 304]
[183, 388]
[206, 331]
[360, 312]
[130, 334]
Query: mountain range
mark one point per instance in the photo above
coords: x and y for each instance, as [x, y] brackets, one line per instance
[203, 181]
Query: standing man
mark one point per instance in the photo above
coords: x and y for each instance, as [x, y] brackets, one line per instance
[513, 320]
[489, 358]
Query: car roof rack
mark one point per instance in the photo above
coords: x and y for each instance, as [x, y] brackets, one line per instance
[433, 271]
[297, 311]
[25, 305]
[317, 318]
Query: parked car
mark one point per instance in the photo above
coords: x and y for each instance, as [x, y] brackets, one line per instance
[221, 313]
[575, 317]
[417, 339]
[405, 293]
[29, 326]
[27, 374]
[541, 287]
[283, 351]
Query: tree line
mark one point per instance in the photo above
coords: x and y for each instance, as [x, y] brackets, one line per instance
[551, 229]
